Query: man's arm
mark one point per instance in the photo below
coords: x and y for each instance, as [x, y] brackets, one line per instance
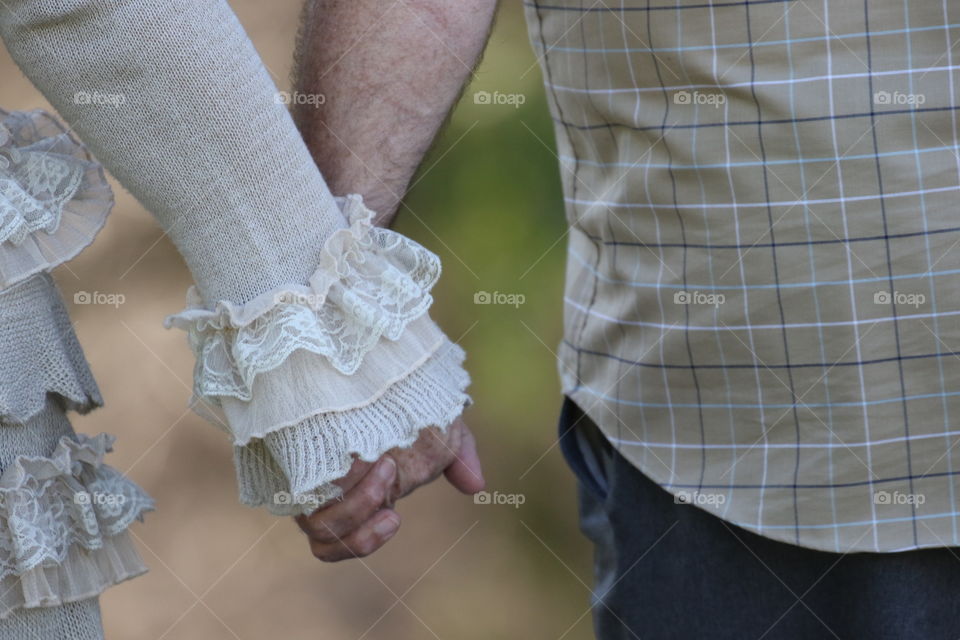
[389, 74]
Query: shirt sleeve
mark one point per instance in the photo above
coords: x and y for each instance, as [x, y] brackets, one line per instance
[311, 328]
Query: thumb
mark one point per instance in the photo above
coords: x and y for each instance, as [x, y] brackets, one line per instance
[465, 472]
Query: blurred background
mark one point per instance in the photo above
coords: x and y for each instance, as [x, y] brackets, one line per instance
[488, 202]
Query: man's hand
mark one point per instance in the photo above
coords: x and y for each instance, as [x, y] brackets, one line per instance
[364, 520]
[389, 73]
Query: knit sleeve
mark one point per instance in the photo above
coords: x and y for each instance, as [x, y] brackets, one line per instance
[64, 514]
[309, 325]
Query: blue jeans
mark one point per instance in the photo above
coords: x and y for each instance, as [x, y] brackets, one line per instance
[671, 570]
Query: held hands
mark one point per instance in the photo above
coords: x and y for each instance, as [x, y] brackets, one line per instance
[364, 520]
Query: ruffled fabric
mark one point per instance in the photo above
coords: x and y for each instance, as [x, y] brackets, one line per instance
[291, 471]
[40, 354]
[54, 198]
[305, 379]
[306, 385]
[370, 284]
[63, 525]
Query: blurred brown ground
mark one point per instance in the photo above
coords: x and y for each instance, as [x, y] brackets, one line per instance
[491, 208]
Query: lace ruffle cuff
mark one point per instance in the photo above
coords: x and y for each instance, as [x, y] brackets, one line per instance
[291, 471]
[54, 198]
[63, 525]
[40, 354]
[305, 377]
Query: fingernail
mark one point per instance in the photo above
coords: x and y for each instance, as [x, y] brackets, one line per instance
[386, 526]
[387, 469]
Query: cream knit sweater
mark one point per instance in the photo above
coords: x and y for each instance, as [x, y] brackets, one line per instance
[310, 326]
[304, 319]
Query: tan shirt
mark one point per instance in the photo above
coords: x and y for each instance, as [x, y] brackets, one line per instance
[762, 289]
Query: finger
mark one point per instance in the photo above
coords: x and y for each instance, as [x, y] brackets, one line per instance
[465, 472]
[360, 543]
[358, 470]
[342, 517]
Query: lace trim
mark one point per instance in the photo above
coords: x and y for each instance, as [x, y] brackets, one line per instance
[69, 500]
[83, 574]
[54, 198]
[292, 471]
[305, 385]
[371, 283]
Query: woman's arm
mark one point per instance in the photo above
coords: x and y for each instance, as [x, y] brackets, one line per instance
[309, 325]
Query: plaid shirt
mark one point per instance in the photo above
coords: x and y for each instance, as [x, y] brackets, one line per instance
[763, 283]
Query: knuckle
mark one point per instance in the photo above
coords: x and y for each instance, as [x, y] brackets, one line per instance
[322, 532]
[372, 496]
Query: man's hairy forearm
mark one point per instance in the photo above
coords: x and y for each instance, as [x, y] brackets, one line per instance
[389, 72]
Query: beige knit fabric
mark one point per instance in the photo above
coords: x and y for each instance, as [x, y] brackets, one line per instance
[72, 621]
[40, 354]
[63, 515]
[186, 117]
[288, 470]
